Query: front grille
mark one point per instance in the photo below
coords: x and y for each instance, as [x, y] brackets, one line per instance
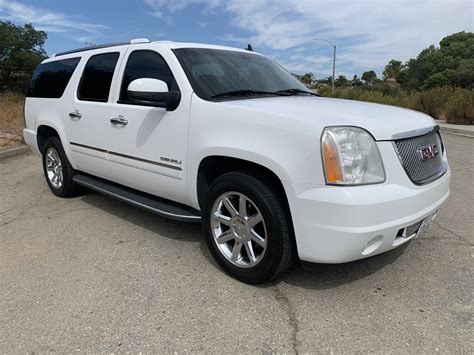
[419, 170]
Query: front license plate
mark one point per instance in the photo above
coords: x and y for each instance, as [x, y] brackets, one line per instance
[425, 225]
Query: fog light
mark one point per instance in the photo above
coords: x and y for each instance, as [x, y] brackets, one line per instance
[373, 245]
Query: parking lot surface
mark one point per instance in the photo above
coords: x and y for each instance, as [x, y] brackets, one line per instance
[93, 274]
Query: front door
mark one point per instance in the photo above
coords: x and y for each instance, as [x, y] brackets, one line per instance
[148, 145]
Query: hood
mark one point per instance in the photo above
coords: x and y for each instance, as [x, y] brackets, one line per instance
[384, 122]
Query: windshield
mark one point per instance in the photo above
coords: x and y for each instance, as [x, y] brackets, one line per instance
[217, 74]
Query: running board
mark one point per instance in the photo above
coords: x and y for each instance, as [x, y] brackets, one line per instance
[159, 206]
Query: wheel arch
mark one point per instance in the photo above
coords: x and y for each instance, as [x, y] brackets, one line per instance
[43, 133]
[213, 166]
[46, 129]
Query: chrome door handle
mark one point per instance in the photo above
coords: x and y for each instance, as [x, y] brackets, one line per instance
[119, 120]
[75, 114]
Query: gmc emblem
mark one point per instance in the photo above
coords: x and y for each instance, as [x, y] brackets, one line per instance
[428, 152]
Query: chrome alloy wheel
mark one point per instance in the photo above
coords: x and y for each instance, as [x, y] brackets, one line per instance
[238, 229]
[54, 168]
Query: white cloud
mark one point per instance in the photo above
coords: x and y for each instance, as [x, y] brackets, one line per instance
[368, 33]
[50, 21]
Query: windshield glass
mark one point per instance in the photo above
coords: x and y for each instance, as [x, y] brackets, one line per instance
[217, 74]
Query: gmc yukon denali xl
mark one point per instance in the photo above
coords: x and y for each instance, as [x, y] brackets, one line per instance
[228, 138]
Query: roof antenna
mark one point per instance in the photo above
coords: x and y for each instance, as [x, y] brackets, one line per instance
[249, 48]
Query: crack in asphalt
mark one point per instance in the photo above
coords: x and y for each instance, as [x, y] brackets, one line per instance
[460, 237]
[292, 320]
[21, 213]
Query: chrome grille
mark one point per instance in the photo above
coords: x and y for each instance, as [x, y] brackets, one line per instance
[418, 170]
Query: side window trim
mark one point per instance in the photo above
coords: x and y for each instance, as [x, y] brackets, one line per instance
[79, 85]
[122, 78]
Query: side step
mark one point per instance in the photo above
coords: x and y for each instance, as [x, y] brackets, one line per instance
[160, 206]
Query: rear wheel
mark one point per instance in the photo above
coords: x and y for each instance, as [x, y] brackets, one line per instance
[247, 228]
[57, 169]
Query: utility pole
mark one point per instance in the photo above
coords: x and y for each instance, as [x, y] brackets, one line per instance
[333, 59]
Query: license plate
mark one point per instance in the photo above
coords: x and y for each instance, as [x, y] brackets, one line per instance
[425, 225]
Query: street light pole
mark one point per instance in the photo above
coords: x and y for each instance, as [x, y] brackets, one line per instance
[333, 59]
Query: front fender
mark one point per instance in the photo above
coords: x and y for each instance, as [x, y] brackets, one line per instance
[289, 149]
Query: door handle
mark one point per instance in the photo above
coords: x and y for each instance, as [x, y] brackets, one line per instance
[119, 120]
[75, 114]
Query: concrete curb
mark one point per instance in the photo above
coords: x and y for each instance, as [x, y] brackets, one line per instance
[14, 152]
[461, 132]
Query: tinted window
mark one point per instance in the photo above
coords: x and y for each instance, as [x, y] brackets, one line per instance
[146, 64]
[97, 76]
[50, 79]
[213, 71]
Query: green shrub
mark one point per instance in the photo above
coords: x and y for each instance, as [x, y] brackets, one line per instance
[433, 101]
[460, 107]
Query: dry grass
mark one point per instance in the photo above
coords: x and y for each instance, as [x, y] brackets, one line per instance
[11, 111]
[455, 105]
[11, 120]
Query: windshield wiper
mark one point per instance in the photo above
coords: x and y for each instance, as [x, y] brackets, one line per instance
[297, 92]
[249, 93]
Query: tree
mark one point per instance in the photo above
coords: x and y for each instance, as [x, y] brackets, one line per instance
[341, 81]
[307, 78]
[369, 77]
[327, 80]
[450, 64]
[356, 81]
[21, 50]
[392, 69]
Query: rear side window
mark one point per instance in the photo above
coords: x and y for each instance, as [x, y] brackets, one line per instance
[50, 79]
[97, 77]
[146, 64]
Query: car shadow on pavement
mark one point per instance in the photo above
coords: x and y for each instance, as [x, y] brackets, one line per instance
[326, 276]
[163, 227]
[320, 277]
[187, 232]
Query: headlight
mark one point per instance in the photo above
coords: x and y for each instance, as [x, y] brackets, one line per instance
[351, 157]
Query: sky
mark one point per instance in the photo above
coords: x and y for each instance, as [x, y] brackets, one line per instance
[367, 33]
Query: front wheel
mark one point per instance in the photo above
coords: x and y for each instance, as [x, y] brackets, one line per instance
[248, 228]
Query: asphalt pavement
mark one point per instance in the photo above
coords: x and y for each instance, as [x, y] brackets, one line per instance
[92, 274]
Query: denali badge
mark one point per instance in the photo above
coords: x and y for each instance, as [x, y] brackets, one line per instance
[169, 160]
[428, 152]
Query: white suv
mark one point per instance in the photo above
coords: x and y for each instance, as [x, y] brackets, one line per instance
[227, 137]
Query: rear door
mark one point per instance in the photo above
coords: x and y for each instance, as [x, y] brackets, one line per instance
[88, 111]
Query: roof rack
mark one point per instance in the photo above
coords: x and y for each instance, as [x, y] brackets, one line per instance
[133, 41]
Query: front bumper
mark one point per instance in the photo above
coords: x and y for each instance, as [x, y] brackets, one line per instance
[336, 224]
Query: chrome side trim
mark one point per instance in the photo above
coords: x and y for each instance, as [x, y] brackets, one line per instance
[127, 156]
[145, 161]
[88, 147]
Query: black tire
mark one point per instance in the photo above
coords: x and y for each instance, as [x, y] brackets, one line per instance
[280, 248]
[68, 187]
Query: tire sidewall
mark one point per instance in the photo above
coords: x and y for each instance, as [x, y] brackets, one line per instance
[270, 262]
[53, 142]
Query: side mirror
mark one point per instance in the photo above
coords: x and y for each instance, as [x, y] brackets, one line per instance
[153, 92]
